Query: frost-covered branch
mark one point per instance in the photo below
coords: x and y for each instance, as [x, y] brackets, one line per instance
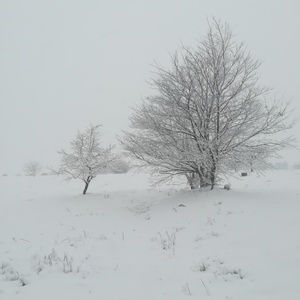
[87, 158]
[207, 113]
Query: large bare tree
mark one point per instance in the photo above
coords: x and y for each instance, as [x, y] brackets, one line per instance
[208, 112]
[87, 159]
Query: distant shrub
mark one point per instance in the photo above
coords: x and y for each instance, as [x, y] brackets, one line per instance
[119, 166]
[296, 166]
[281, 165]
[32, 168]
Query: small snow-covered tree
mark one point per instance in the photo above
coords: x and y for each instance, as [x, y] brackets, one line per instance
[208, 113]
[87, 159]
[32, 168]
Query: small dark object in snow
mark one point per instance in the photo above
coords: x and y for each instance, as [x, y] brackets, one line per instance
[243, 174]
[227, 187]
[23, 282]
[181, 205]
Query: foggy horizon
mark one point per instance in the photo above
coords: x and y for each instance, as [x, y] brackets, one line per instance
[66, 64]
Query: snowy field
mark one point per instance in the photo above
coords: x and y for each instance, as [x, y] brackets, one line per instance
[127, 240]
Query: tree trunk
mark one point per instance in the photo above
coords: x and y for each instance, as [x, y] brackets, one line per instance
[212, 181]
[203, 177]
[86, 187]
[193, 180]
[213, 175]
[204, 181]
[193, 186]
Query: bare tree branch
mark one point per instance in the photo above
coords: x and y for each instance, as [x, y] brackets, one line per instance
[208, 113]
[87, 158]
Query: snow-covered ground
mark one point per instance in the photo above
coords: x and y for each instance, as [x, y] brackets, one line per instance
[127, 240]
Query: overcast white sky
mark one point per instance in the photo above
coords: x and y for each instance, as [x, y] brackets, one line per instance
[65, 63]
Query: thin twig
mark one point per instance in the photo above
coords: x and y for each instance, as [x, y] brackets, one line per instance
[25, 240]
[116, 266]
[205, 287]
[188, 289]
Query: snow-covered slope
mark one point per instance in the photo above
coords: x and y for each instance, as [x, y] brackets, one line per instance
[127, 240]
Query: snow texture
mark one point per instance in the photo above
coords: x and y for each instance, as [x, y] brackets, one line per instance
[128, 240]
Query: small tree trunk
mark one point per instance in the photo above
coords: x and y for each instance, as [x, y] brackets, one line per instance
[251, 166]
[86, 187]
